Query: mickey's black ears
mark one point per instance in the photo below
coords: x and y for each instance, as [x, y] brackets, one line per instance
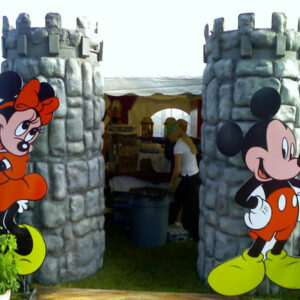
[229, 139]
[265, 103]
[10, 85]
[46, 91]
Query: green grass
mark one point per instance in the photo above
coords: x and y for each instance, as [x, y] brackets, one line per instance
[169, 268]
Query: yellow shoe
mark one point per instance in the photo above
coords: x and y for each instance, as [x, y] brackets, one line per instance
[238, 275]
[27, 264]
[283, 270]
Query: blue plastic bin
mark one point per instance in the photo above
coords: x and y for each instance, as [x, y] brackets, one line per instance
[149, 215]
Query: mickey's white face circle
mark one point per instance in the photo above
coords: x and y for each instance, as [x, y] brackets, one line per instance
[19, 132]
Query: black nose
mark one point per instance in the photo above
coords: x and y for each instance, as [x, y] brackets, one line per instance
[298, 161]
[23, 146]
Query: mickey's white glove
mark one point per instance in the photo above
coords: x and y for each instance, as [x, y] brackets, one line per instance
[23, 205]
[259, 216]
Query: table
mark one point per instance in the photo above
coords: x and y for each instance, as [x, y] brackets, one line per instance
[123, 182]
[159, 162]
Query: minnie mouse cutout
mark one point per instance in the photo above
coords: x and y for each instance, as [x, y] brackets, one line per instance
[271, 195]
[23, 111]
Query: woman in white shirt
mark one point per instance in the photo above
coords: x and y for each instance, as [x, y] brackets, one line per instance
[187, 168]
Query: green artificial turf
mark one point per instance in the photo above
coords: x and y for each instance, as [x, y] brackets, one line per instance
[169, 268]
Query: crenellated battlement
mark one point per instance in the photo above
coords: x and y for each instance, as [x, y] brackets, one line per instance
[51, 40]
[249, 39]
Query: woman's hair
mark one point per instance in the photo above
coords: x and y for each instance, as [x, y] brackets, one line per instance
[179, 133]
[170, 120]
[182, 124]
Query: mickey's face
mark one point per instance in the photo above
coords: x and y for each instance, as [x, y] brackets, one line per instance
[278, 160]
[18, 133]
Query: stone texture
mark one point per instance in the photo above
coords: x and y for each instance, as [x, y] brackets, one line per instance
[279, 22]
[225, 102]
[53, 214]
[286, 113]
[226, 246]
[23, 23]
[289, 92]
[73, 78]
[98, 113]
[88, 110]
[242, 114]
[212, 99]
[77, 207]
[245, 88]
[92, 203]
[224, 69]
[59, 89]
[74, 125]
[259, 67]
[48, 273]
[97, 81]
[74, 101]
[93, 173]
[87, 80]
[233, 226]
[53, 67]
[286, 68]
[57, 137]
[230, 40]
[38, 35]
[74, 37]
[58, 175]
[27, 67]
[77, 176]
[246, 23]
[262, 38]
[209, 232]
[53, 21]
[208, 73]
[53, 243]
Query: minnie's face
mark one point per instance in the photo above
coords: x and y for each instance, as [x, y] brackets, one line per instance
[19, 132]
[278, 161]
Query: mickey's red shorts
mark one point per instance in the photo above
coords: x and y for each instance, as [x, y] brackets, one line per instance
[284, 204]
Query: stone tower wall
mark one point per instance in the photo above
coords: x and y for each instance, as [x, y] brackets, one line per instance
[239, 62]
[68, 152]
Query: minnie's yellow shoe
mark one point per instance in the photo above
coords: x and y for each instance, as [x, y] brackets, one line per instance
[283, 270]
[238, 275]
[28, 264]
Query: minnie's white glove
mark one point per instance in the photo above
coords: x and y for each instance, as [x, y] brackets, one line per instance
[23, 205]
[259, 216]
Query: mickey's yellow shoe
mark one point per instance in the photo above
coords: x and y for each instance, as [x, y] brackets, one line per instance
[28, 264]
[238, 275]
[283, 270]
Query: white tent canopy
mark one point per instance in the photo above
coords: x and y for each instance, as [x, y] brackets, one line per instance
[147, 86]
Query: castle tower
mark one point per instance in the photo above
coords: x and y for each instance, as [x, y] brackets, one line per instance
[68, 153]
[239, 63]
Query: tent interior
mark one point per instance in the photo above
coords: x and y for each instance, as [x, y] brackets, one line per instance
[137, 161]
[150, 95]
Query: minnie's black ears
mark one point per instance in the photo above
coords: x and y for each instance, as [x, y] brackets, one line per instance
[265, 103]
[10, 85]
[46, 91]
[229, 139]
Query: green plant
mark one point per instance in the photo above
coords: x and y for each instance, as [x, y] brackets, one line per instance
[9, 278]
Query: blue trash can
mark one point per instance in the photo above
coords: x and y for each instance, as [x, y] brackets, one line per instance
[149, 215]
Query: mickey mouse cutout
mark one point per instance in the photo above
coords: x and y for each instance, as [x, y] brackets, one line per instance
[268, 150]
[23, 111]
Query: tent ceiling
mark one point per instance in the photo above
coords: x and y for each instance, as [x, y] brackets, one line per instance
[147, 86]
